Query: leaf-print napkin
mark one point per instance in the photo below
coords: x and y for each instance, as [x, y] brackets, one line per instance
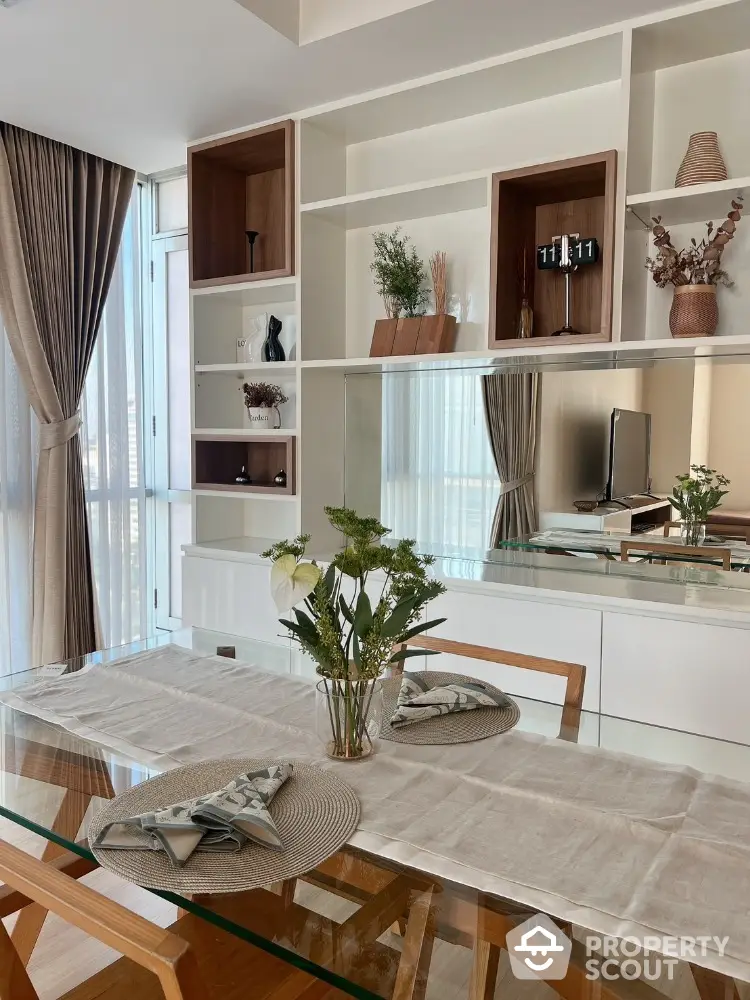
[223, 821]
[418, 701]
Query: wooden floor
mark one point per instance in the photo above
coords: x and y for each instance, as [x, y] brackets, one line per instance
[65, 957]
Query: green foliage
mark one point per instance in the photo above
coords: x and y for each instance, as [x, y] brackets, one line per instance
[698, 492]
[400, 274]
[341, 630]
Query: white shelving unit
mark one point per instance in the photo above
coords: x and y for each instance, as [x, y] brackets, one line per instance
[421, 155]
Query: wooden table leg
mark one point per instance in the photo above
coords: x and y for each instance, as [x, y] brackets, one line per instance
[484, 971]
[414, 967]
[14, 979]
[712, 985]
[67, 824]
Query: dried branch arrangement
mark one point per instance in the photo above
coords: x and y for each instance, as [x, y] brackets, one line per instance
[699, 263]
[438, 267]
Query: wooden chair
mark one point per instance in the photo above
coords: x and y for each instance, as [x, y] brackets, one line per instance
[574, 672]
[159, 964]
[703, 555]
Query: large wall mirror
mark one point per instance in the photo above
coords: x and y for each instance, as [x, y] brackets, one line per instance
[469, 462]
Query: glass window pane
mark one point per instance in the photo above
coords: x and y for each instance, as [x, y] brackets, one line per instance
[171, 205]
[178, 354]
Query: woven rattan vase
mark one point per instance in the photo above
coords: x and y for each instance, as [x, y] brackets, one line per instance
[695, 311]
[703, 161]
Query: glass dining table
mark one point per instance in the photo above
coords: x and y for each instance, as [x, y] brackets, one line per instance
[370, 928]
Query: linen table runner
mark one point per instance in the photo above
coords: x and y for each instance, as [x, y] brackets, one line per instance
[614, 843]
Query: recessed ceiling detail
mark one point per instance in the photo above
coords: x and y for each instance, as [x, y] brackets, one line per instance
[304, 21]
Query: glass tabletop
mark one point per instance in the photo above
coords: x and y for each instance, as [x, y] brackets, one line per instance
[369, 927]
[607, 545]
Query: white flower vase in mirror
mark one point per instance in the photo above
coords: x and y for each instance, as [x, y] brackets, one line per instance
[697, 493]
[262, 402]
[351, 640]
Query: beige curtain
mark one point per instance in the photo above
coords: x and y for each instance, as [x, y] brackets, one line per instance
[61, 217]
[510, 407]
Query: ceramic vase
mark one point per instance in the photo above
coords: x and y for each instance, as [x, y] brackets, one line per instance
[703, 162]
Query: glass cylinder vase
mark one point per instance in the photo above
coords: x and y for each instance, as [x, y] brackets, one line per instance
[693, 532]
[348, 714]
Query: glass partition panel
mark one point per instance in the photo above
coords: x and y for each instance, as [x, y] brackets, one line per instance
[561, 471]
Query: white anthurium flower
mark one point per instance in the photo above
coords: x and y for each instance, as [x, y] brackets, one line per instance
[292, 582]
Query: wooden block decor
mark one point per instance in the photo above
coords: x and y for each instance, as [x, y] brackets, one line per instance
[407, 335]
[437, 334]
[533, 206]
[414, 335]
[383, 337]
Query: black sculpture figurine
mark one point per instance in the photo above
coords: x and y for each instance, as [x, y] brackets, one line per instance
[243, 479]
[272, 349]
[280, 480]
[252, 236]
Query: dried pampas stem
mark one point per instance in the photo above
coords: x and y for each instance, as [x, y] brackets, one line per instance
[439, 281]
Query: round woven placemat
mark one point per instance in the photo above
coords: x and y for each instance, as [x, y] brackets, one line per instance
[314, 811]
[455, 727]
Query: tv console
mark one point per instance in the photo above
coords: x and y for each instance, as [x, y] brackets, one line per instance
[609, 516]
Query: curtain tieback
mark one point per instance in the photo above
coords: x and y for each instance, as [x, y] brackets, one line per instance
[515, 484]
[59, 432]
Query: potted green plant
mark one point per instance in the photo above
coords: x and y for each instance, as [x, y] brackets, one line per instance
[400, 278]
[352, 640]
[261, 399]
[695, 272]
[697, 493]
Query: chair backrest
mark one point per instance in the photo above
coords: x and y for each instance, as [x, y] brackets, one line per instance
[153, 948]
[574, 672]
[702, 555]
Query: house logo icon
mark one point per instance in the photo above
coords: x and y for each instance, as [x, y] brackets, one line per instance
[538, 949]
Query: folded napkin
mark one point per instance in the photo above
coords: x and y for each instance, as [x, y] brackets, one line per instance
[223, 821]
[418, 701]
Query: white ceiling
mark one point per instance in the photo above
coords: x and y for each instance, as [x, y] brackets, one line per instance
[134, 80]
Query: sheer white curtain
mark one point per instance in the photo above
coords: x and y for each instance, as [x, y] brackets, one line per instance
[112, 447]
[111, 443]
[440, 484]
[17, 465]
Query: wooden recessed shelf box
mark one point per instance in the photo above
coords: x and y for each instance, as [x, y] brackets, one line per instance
[241, 183]
[532, 206]
[218, 461]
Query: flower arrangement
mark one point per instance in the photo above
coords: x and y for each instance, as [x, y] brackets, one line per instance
[697, 493]
[351, 641]
[259, 394]
[700, 262]
[400, 274]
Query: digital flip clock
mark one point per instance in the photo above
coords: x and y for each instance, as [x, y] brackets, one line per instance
[567, 254]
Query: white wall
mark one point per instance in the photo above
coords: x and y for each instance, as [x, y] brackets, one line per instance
[729, 434]
[668, 396]
[574, 431]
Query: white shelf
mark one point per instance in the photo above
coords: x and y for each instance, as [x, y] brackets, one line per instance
[507, 80]
[250, 293]
[677, 38]
[248, 366]
[445, 196]
[244, 432]
[697, 203]
[244, 495]
[604, 355]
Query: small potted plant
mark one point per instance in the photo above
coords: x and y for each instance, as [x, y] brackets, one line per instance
[261, 399]
[697, 493]
[351, 641]
[400, 278]
[695, 272]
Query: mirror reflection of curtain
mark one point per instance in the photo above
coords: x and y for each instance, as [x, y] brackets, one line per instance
[510, 404]
[440, 482]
